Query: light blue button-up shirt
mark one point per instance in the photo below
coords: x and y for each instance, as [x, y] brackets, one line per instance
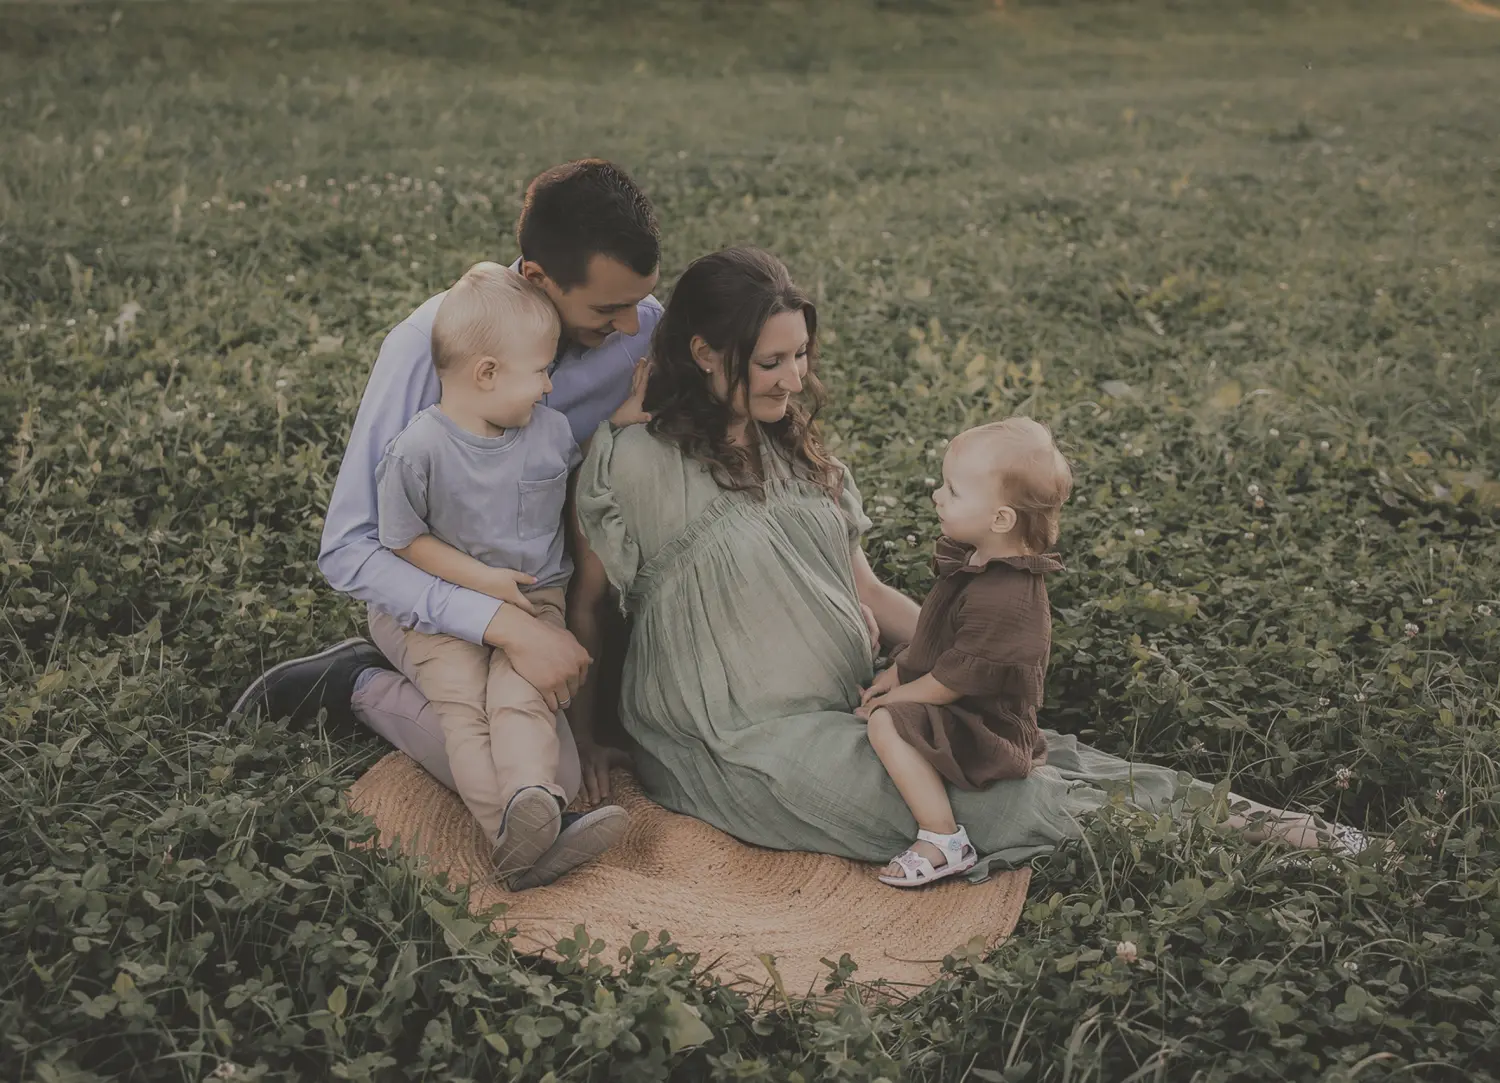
[587, 386]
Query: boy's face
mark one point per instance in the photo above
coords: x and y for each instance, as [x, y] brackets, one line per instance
[969, 501]
[599, 306]
[506, 386]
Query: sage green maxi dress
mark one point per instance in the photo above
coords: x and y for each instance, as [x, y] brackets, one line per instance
[748, 653]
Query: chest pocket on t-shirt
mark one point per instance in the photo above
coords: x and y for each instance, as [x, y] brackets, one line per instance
[542, 506]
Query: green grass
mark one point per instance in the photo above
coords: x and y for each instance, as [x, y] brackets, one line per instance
[1244, 258]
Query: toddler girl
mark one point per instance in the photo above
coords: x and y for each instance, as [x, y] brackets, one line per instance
[959, 704]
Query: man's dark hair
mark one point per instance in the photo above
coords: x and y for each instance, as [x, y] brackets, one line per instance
[576, 210]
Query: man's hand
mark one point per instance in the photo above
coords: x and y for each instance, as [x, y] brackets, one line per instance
[883, 685]
[631, 411]
[505, 584]
[596, 762]
[550, 658]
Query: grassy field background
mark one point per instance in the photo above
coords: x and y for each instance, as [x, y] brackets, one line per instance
[1246, 262]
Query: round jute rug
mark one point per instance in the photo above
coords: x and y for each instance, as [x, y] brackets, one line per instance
[728, 902]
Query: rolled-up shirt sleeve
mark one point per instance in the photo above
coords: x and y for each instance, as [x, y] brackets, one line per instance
[352, 557]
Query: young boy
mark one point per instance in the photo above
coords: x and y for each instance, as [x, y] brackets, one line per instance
[472, 492]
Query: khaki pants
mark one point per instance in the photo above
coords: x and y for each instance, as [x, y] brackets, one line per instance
[498, 733]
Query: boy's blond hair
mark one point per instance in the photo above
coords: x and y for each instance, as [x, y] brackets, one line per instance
[489, 307]
[1034, 478]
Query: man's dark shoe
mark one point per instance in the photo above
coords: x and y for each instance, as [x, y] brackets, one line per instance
[300, 687]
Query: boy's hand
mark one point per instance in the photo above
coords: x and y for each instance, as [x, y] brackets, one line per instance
[631, 411]
[505, 584]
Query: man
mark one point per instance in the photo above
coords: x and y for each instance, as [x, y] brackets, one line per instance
[589, 238]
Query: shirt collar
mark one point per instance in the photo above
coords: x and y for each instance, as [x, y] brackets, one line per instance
[951, 557]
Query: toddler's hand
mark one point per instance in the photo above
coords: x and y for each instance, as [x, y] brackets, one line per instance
[631, 411]
[885, 683]
[506, 584]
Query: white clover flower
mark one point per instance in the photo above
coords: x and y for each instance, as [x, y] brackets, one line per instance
[1134, 510]
[1260, 501]
[1309, 590]
[1427, 601]
[212, 252]
[1196, 745]
[1483, 610]
[1341, 778]
[929, 482]
[205, 205]
[24, 328]
[1139, 533]
[1410, 629]
[280, 384]
[1274, 432]
[415, 264]
[399, 238]
[70, 322]
[1441, 796]
[1253, 489]
[432, 236]
[1360, 521]
[331, 182]
[1352, 967]
[1126, 951]
[1324, 445]
[291, 278]
[1360, 697]
[124, 201]
[1323, 701]
[1138, 452]
[1353, 584]
[1249, 535]
[911, 539]
[890, 544]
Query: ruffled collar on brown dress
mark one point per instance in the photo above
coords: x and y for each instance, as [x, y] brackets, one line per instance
[951, 557]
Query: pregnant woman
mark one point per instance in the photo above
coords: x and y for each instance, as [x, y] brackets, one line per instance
[732, 540]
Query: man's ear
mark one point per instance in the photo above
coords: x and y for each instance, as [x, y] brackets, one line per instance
[704, 354]
[532, 272]
[1005, 520]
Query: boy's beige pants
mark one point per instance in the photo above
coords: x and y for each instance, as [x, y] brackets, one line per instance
[498, 732]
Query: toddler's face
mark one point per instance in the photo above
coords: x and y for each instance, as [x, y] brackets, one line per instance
[506, 392]
[969, 497]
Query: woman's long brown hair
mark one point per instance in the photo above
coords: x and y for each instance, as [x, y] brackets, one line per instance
[727, 297]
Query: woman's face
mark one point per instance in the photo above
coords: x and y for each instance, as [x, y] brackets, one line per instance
[777, 369]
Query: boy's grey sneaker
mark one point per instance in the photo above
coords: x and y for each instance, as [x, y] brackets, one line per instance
[584, 837]
[530, 827]
[300, 687]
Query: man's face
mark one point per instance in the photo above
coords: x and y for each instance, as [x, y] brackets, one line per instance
[600, 305]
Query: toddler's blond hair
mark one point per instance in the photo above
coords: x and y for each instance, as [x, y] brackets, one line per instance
[1033, 476]
[488, 308]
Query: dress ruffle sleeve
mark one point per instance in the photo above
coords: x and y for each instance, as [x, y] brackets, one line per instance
[1000, 641]
[599, 514]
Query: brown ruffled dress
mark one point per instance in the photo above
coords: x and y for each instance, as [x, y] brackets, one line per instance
[985, 632]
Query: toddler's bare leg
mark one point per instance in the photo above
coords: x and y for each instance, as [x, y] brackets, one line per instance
[920, 785]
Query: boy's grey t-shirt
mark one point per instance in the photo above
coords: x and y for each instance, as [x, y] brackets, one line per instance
[497, 498]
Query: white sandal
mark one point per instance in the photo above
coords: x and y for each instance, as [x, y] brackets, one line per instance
[916, 870]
